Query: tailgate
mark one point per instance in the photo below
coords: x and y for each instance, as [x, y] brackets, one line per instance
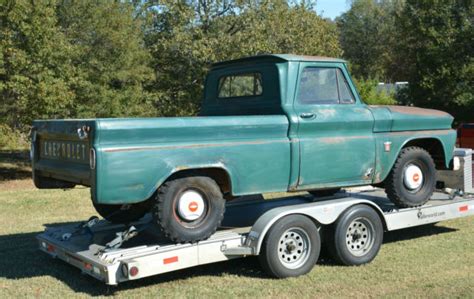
[61, 150]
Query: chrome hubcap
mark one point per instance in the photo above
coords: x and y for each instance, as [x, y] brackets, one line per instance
[294, 248]
[191, 205]
[412, 177]
[359, 236]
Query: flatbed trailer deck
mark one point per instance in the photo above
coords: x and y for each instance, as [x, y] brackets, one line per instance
[151, 254]
[118, 253]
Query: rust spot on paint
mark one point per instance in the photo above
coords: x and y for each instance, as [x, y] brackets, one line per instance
[336, 140]
[144, 148]
[318, 58]
[136, 187]
[429, 133]
[328, 112]
[417, 111]
[378, 177]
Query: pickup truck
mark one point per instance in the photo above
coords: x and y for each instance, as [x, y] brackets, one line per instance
[268, 123]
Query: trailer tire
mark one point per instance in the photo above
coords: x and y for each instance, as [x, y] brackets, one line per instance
[356, 236]
[189, 209]
[291, 247]
[412, 180]
[122, 214]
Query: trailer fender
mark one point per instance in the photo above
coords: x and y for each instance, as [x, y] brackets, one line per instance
[323, 213]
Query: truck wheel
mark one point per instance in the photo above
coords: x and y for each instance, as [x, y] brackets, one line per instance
[324, 192]
[122, 214]
[412, 180]
[189, 209]
[291, 247]
[357, 236]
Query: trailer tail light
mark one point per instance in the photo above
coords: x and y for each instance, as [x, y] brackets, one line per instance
[129, 272]
[50, 248]
[88, 266]
[463, 208]
[133, 271]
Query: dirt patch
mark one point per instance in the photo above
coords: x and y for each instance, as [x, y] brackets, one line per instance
[15, 171]
[11, 185]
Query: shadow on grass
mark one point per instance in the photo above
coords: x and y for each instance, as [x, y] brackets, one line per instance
[20, 259]
[14, 165]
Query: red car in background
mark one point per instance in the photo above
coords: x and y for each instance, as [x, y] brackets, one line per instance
[466, 135]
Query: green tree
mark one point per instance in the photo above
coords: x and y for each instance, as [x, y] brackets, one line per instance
[369, 37]
[186, 37]
[371, 96]
[66, 59]
[109, 56]
[438, 43]
[35, 74]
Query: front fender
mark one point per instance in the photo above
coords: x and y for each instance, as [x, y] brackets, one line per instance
[386, 160]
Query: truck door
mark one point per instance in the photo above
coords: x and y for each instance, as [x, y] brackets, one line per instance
[337, 145]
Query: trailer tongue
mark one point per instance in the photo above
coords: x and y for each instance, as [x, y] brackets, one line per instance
[283, 232]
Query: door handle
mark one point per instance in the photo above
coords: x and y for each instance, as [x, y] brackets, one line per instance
[307, 115]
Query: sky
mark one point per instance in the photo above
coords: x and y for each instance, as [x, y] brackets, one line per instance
[332, 8]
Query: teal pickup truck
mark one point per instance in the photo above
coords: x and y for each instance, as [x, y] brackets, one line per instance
[268, 123]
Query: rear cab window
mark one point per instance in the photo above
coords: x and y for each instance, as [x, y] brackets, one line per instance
[240, 85]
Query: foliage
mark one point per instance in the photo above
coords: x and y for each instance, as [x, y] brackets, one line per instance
[438, 39]
[368, 93]
[12, 139]
[75, 59]
[186, 37]
[34, 71]
[66, 59]
[368, 36]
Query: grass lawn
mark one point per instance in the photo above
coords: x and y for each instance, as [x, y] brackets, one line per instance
[431, 261]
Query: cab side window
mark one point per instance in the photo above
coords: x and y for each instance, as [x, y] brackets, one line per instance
[319, 86]
[345, 94]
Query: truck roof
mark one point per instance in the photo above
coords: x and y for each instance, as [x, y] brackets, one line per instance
[277, 57]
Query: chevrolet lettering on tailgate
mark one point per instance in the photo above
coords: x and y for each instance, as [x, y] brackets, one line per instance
[65, 150]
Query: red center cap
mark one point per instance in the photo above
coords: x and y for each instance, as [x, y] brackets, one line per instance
[193, 206]
[416, 177]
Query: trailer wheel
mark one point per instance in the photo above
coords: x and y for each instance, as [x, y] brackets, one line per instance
[357, 236]
[412, 180]
[122, 214]
[291, 247]
[189, 209]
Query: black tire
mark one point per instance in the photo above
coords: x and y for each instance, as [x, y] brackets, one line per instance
[122, 214]
[175, 225]
[395, 185]
[296, 228]
[356, 236]
[324, 192]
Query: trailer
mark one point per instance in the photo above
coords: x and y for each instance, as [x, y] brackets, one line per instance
[286, 233]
